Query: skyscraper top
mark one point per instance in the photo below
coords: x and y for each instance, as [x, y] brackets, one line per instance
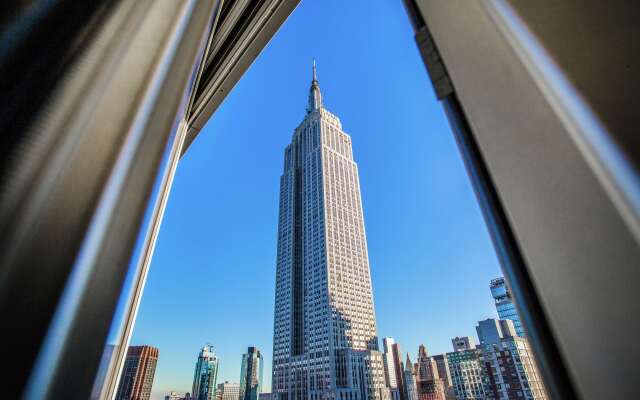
[408, 366]
[315, 77]
[315, 96]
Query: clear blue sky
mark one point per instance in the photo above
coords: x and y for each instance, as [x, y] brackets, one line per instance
[213, 272]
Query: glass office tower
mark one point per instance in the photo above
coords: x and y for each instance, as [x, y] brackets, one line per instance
[325, 340]
[504, 304]
[205, 375]
[251, 374]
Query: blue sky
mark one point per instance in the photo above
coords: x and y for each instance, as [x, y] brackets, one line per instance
[213, 272]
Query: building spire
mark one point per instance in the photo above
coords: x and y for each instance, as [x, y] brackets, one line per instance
[315, 78]
[315, 96]
[408, 366]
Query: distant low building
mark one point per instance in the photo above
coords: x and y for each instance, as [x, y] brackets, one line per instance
[178, 396]
[137, 373]
[228, 391]
[264, 396]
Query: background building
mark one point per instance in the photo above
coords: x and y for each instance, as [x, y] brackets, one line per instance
[178, 396]
[393, 368]
[504, 304]
[205, 375]
[251, 374]
[325, 341]
[228, 391]
[409, 378]
[137, 373]
[463, 343]
[443, 371]
[467, 374]
[265, 396]
[508, 361]
[429, 385]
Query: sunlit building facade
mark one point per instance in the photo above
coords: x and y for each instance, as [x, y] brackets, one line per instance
[205, 375]
[429, 385]
[467, 374]
[508, 362]
[138, 372]
[325, 341]
[393, 368]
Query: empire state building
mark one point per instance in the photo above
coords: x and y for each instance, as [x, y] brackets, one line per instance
[325, 341]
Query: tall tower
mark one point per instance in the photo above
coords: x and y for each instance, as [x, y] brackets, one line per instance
[251, 374]
[325, 342]
[137, 373]
[205, 375]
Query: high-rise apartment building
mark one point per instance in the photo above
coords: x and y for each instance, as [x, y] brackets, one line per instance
[504, 304]
[463, 343]
[409, 380]
[429, 385]
[509, 363]
[393, 368]
[325, 341]
[251, 374]
[467, 374]
[137, 373]
[205, 375]
[228, 391]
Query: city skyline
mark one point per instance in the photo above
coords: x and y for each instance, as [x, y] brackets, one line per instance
[217, 241]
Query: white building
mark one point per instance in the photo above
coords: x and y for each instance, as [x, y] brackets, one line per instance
[325, 340]
[461, 343]
[228, 391]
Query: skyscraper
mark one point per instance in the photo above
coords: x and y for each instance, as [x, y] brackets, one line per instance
[509, 364]
[251, 374]
[325, 342]
[409, 378]
[504, 304]
[205, 375]
[428, 382]
[137, 373]
[393, 368]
